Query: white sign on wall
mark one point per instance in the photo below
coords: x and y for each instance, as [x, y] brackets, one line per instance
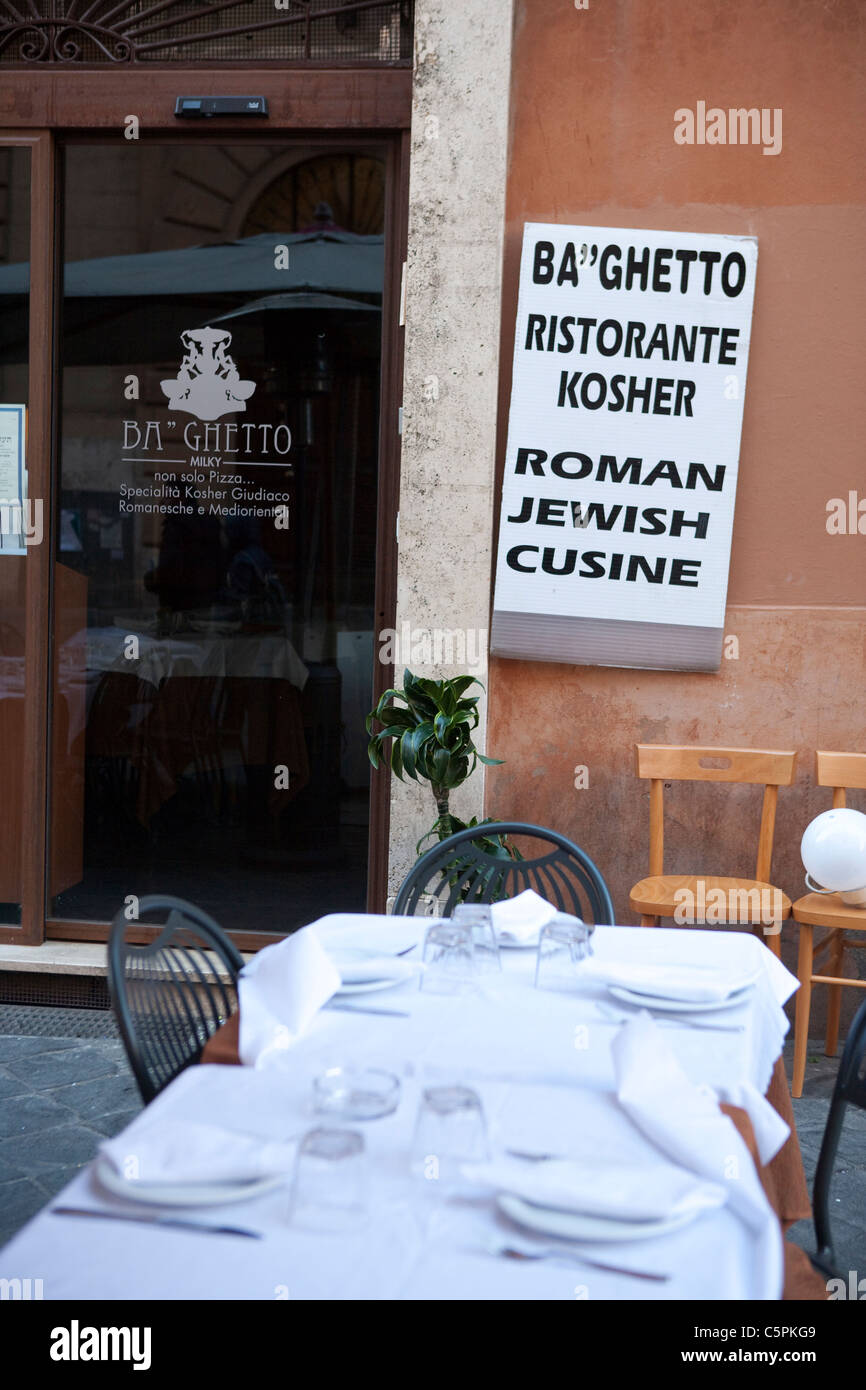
[627, 396]
[13, 479]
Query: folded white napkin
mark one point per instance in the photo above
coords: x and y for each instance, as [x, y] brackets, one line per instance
[520, 919]
[177, 1151]
[694, 984]
[625, 1191]
[358, 967]
[771, 1131]
[685, 1123]
[280, 991]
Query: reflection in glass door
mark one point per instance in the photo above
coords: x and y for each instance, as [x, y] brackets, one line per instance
[215, 540]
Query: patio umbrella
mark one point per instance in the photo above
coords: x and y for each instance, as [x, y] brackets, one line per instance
[320, 261]
[296, 299]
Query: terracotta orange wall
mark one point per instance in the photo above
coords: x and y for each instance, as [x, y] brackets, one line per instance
[593, 99]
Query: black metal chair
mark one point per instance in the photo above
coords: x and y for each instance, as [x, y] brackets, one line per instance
[850, 1089]
[460, 870]
[167, 996]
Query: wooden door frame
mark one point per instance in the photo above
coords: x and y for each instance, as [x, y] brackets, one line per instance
[342, 107]
[40, 424]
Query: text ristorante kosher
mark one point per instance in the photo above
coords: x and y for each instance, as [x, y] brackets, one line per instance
[645, 395]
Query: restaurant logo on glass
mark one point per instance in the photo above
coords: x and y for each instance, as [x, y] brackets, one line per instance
[204, 481]
[208, 384]
[627, 396]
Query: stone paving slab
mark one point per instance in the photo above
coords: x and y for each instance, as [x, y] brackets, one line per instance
[848, 1189]
[61, 1096]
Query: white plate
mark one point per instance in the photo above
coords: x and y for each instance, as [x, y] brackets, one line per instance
[678, 1006]
[573, 1225]
[380, 935]
[186, 1194]
[344, 957]
[530, 945]
[370, 986]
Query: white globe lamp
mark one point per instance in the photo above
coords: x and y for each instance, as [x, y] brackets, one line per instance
[833, 849]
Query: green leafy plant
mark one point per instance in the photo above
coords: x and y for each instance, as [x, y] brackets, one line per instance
[431, 740]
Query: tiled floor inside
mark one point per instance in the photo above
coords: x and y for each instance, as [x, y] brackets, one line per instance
[63, 1091]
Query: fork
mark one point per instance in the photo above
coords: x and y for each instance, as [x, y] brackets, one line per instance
[663, 1021]
[515, 1252]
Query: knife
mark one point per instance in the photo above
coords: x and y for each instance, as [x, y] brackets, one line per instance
[365, 1009]
[154, 1220]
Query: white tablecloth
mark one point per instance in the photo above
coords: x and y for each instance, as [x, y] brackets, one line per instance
[542, 1064]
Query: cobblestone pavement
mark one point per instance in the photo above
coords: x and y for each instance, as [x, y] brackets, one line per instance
[60, 1096]
[848, 1189]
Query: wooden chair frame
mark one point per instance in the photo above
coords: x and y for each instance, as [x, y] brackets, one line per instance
[842, 772]
[660, 763]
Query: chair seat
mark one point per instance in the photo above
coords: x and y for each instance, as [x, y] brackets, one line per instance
[828, 910]
[712, 900]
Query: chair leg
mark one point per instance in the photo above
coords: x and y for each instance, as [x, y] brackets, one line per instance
[774, 940]
[646, 921]
[804, 1001]
[834, 1002]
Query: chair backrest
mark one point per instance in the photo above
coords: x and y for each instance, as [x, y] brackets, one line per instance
[461, 869]
[167, 994]
[840, 771]
[850, 1089]
[660, 763]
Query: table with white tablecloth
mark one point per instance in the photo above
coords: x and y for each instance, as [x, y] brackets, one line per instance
[543, 1065]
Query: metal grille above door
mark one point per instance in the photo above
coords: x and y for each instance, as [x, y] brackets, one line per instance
[94, 32]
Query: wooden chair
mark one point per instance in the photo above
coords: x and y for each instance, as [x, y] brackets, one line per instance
[836, 770]
[733, 900]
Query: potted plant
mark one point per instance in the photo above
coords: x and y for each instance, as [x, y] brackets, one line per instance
[431, 733]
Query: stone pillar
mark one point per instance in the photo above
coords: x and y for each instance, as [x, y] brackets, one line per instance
[453, 301]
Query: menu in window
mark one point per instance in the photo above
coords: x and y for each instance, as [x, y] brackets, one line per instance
[12, 479]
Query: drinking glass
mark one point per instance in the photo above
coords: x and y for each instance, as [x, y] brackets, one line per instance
[449, 959]
[329, 1191]
[479, 919]
[356, 1093]
[563, 943]
[450, 1130]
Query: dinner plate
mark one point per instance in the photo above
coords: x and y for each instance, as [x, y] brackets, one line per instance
[379, 935]
[573, 1225]
[344, 957]
[370, 986]
[183, 1194]
[678, 1006]
[530, 945]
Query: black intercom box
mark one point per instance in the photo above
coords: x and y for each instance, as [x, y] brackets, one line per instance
[202, 108]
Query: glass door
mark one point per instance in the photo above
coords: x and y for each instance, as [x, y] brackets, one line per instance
[215, 528]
